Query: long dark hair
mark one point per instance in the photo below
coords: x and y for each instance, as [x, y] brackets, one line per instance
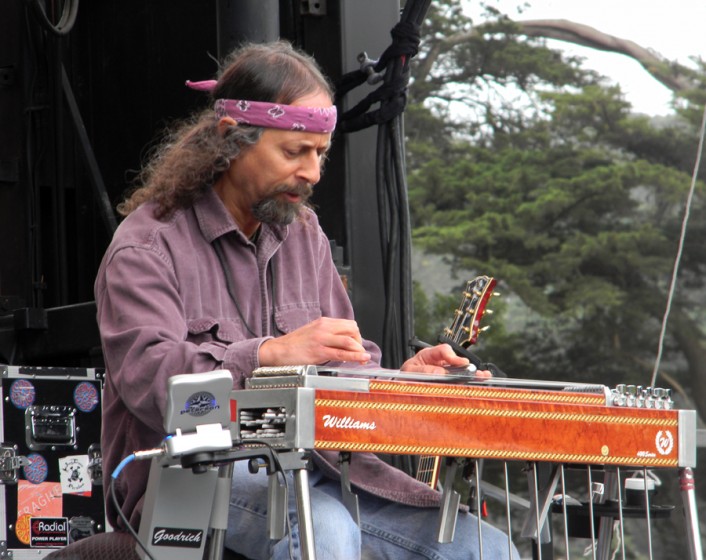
[193, 154]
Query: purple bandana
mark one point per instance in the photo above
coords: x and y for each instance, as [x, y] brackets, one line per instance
[272, 115]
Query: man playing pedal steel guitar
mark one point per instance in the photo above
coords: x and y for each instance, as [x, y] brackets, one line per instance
[219, 263]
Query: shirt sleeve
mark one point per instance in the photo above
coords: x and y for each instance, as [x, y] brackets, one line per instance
[145, 333]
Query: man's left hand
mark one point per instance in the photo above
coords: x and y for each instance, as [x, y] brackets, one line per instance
[435, 358]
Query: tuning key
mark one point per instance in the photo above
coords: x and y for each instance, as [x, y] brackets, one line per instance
[619, 395]
[631, 394]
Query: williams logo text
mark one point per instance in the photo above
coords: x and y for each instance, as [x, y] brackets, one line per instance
[346, 423]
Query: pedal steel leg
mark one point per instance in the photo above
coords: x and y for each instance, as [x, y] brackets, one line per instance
[507, 511]
[648, 517]
[306, 529]
[349, 498]
[450, 501]
[691, 516]
[564, 512]
[219, 514]
[620, 513]
[536, 524]
[277, 506]
[297, 461]
[591, 517]
[478, 507]
[605, 524]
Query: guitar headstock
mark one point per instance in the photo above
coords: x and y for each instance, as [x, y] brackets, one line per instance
[465, 328]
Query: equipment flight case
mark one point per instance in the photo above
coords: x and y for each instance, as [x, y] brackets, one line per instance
[51, 491]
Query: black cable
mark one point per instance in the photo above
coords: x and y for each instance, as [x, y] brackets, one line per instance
[393, 209]
[405, 252]
[231, 289]
[125, 521]
[229, 284]
[280, 471]
[65, 23]
[391, 94]
[392, 356]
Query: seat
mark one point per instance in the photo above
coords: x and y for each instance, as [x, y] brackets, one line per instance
[110, 546]
[101, 546]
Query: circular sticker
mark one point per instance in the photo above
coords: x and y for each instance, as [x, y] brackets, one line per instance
[22, 394]
[200, 404]
[36, 471]
[664, 441]
[22, 528]
[85, 396]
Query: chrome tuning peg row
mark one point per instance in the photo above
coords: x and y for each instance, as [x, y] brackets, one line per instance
[642, 397]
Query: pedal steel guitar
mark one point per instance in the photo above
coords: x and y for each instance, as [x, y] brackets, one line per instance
[459, 415]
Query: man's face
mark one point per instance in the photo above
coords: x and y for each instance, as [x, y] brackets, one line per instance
[271, 180]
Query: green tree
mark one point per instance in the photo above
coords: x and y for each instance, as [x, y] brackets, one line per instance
[525, 167]
[572, 202]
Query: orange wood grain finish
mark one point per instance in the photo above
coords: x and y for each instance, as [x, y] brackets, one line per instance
[482, 422]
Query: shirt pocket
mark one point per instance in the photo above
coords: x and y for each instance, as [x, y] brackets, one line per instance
[292, 316]
[209, 329]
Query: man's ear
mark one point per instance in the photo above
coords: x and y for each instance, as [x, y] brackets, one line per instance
[225, 123]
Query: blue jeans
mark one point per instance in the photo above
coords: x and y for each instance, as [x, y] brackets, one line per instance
[388, 530]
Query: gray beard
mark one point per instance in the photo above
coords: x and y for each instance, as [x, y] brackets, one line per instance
[274, 211]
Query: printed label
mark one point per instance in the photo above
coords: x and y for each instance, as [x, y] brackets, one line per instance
[73, 471]
[200, 404]
[182, 538]
[346, 423]
[664, 442]
[48, 532]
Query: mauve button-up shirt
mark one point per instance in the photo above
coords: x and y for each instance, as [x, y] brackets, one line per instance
[165, 308]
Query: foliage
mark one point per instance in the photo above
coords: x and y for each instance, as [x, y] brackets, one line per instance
[526, 167]
[575, 206]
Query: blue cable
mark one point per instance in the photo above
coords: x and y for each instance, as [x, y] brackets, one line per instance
[129, 459]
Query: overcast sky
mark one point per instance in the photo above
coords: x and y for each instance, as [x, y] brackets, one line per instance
[673, 29]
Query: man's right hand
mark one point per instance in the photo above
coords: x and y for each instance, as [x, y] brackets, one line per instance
[323, 340]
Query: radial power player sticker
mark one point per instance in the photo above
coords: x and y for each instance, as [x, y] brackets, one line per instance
[48, 532]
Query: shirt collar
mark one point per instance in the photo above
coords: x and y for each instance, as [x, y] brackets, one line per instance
[214, 219]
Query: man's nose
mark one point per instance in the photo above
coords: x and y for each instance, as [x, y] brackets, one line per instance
[310, 170]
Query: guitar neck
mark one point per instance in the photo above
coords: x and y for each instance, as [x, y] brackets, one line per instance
[428, 470]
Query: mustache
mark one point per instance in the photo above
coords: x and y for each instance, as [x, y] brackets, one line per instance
[304, 190]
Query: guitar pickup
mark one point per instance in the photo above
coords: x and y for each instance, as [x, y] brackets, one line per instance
[50, 427]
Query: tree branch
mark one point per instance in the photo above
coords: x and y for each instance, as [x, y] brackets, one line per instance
[671, 74]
